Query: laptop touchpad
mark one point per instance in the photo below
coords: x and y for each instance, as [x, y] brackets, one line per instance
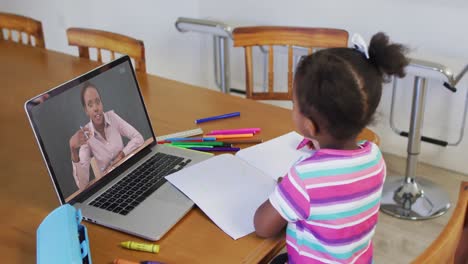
[170, 194]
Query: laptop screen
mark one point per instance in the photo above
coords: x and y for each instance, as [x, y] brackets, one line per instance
[89, 126]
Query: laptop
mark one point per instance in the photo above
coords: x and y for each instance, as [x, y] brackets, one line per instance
[100, 150]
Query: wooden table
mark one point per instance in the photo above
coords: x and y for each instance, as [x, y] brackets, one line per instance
[27, 194]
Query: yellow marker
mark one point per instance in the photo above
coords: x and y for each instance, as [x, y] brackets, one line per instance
[153, 248]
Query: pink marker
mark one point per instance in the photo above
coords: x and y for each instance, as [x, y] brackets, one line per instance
[303, 143]
[235, 131]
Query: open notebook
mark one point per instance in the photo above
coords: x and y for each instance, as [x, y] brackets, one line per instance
[229, 188]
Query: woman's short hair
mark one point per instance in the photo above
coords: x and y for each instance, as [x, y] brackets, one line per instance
[85, 87]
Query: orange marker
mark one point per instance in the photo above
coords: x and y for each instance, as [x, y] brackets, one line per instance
[243, 141]
[123, 261]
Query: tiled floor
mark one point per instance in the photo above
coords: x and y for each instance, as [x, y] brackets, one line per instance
[400, 241]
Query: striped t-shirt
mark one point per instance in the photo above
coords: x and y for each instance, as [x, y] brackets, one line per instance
[331, 201]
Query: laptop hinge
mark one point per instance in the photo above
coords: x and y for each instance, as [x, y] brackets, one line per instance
[80, 198]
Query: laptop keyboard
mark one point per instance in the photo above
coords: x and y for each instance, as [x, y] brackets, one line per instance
[134, 188]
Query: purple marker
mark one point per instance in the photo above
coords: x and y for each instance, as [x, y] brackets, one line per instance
[215, 149]
[211, 118]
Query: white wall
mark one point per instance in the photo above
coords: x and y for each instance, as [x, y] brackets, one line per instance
[433, 29]
[168, 52]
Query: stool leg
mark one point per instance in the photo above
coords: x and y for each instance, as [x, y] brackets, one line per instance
[221, 63]
[404, 197]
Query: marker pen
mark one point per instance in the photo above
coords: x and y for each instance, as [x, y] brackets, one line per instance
[84, 132]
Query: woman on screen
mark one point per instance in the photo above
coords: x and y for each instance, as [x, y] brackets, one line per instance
[100, 139]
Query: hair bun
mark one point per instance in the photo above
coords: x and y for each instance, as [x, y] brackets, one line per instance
[388, 58]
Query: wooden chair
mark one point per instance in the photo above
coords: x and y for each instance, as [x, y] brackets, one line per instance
[309, 38]
[451, 246]
[24, 26]
[91, 38]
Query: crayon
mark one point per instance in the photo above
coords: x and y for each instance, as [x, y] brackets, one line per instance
[153, 248]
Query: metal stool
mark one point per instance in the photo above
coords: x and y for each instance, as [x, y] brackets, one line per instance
[404, 197]
[222, 33]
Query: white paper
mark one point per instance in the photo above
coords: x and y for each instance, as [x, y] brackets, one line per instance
[227, 189]
[275, 156]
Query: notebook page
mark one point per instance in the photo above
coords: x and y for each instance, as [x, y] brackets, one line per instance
[274, 157]
[227, 189]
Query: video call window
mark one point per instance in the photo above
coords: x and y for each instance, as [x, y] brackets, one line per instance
[90, 129]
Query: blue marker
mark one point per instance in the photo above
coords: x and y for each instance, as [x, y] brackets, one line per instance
[198, 121]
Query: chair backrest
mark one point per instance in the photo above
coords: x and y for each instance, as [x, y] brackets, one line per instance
[444, 248]
[91, 38]
[24, 26]
[310, 38]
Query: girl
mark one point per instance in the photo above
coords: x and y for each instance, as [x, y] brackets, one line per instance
[330, 200]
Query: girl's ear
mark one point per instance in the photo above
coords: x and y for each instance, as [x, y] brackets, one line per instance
[310, 127]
